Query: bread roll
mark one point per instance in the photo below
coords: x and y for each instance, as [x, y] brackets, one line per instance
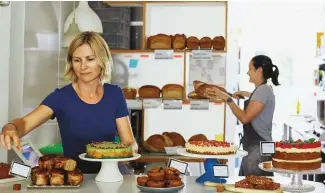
[177, 139]
[205, 43]
[198, 137]
[179, 41]
[129, 93]
[56, 177]
[159, 41]
[192, 43]
[219, 43]
[172, 91]
[74, 178]
[149, 91]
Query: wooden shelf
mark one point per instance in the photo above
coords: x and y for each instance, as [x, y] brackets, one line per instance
[152, 51]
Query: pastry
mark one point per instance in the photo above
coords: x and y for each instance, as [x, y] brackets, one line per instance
[192, 43]
[297, 155]
[172, 91]
[129, 93]
[149, 91]
[46, 162]
[220, 188]
[179, 41]
[205, 43]
[65, 163]
[267, 165]
[157, 143]
[156, 174]
[174, 183]
[156, 184]
[56, 177]
[16, 187]
[256, 183]
[102, 150]
[74, 178]
[142, 180]
[41, 178]
[159, 41]
[4, 171]
[177, 139]
[198, 137]
[210, 147]
[172, 174]
[219, 43]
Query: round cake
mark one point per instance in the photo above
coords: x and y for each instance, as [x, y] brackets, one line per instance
[297, 155]
[106, 150]
[210, 147]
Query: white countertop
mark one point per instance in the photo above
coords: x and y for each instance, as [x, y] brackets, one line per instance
[128, 185]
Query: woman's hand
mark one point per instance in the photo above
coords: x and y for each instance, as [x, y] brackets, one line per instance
[9, 134]
[238, 94]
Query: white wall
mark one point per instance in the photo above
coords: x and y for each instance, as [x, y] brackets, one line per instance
[4, 72]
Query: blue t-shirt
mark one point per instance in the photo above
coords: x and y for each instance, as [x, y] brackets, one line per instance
[81, 123]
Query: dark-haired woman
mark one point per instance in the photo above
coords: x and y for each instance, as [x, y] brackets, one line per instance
[258, 112]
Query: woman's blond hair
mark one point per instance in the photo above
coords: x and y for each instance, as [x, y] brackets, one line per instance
[101, 51]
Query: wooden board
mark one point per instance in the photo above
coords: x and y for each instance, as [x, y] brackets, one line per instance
[232, 188]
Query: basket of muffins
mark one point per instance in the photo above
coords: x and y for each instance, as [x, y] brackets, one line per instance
[167, 179]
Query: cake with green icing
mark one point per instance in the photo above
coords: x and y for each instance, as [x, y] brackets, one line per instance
[108, 150]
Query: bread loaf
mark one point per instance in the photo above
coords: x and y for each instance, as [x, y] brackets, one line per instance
[179, 41]
[205, 43]
[177, 139]
[197, 84]
[149, 91]
[157, 143]
[172, 91]
[194, 95]
[192, 43]
[219, 43]
[159, 41]
[129, 93]
[198, 137]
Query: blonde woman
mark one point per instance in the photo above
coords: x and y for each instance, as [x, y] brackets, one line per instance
[89, 109]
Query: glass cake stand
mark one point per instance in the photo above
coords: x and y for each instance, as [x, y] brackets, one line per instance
[109, 171]
[210, 161]
[296, 184]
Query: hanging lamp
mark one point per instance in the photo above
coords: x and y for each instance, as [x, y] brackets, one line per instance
[73, 29]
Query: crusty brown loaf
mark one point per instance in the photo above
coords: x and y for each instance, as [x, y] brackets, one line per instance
[172, 91]
[129, 93]
[149, 91]
[157, 143]
[219, 43]
[205, 43]
[204, 88]
[197, 84]
[159, 41]
[179, 41]
[193, 95]
[198, 137]
[177, 139]
[192, 43]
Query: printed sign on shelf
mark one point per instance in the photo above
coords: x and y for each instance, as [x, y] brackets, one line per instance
[151, 103]
[173, 104]
[199, 104]
[164, 54]
[178, 164]
[202, 54]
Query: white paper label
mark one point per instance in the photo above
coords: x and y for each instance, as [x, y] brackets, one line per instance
[172, 150]
[19, 169]
[180, 165]
[199, 104]
[151, 103]
[202, 54]
[267, 147]
[220, 171]
[164, 54]
[173, 104]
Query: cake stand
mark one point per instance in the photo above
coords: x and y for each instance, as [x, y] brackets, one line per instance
[210, 161]
[296, 184]
[109, 171]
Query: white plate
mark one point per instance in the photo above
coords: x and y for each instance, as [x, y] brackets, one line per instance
[240, 153]
[135, 156]
[321, 170]
[160, 190]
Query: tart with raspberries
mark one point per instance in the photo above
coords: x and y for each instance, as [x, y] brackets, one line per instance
[210, 147]
[297, 155]
[108, 150]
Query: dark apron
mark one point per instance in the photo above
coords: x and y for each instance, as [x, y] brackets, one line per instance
[251, 143]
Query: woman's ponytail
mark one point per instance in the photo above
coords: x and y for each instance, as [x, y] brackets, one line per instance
[275, 75]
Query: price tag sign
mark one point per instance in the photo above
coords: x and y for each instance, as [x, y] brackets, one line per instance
[199, 104]
[202, 54]
[164, 54]
[178, 164]
[19, 170]
[267, 148]
[151, 103]
[172, 150]
[173, 104]
[221, 171]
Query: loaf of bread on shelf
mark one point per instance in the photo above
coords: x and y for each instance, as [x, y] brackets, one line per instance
[197, 84]
[219, 43]
[194, 95]
[172, 91]
[159, 41]
[205, 43]
[179, 41]
[129, 93]
[157, 143]
[198, 137]
[203, 89]
[177, 139]
[192, 43]
[149, 91]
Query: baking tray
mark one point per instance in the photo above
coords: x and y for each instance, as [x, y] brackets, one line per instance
[31, 186]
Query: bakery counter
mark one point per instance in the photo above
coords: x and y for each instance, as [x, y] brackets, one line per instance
[129, 185]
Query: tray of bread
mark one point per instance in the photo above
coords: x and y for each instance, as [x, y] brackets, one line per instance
[55, 172]
[160, 180]
[254, 184]
[4, 174]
